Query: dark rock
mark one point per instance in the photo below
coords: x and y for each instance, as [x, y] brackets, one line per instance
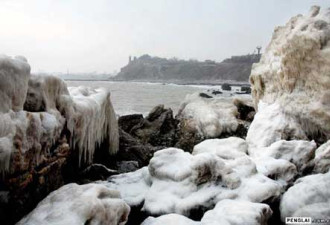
[131, 149]
[245, 111]
[96, 172]
[127, 166]
[203, 95]
[186, 136]
[216, 92]
[158, 129]
[127, 122]
[155, 113]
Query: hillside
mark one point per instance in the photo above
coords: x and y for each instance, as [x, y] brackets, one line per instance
[236, 68]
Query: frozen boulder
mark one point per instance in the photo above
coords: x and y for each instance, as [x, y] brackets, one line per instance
[42, 124]
[80, 204]
[170, 219]
[271, 124]
[224, 148]
[226, 212]
[308, 197]
[298, 152]
[179, 182]
[203, 118]
[233, 212]
[293, 73]
[209, 116]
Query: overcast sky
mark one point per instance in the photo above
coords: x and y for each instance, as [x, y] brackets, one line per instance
[99, 35]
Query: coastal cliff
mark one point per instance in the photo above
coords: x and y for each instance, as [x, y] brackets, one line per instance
[147, 68]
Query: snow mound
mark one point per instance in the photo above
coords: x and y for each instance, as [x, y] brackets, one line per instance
[80, 204]
[294, 73]
[308, 197]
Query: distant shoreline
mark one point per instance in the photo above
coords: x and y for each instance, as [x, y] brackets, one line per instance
[215, 83]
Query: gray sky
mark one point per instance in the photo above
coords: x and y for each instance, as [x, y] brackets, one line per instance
[99, 35]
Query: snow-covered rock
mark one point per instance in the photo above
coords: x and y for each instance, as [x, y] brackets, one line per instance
[80, 204]
[233, 212]
[226, 212]
[41, 125]
[298, 152]
[271, 124]
[308, 197]
[178, 182]
[210, 117]
[293, 77]
[170, 219]
[322, 158]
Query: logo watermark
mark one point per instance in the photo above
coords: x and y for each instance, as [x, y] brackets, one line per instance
[298, 220]
[305, 220]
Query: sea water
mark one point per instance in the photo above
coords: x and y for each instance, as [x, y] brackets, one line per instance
[141, 97]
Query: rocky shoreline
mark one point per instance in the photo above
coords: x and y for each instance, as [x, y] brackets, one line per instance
[66, 159]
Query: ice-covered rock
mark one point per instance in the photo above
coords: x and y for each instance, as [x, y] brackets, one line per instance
[179, 182]
[14, 77]
[233, 212]
[94, 121]
[80, 204]
[210, 117]
[226, 212]
[201, 118]
[293, 78]
[271, 124]
[170, 219]
[224, 148]
[42, 124]
[322, 158]
[298, 152]
[308, 197]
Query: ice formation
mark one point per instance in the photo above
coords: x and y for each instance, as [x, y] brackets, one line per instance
[48, 108]
[94, 121]
[294, 73]
[80, 204]
[308, 197]
[211, 117]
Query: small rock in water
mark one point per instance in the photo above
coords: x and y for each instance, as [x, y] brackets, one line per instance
[203, 95]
